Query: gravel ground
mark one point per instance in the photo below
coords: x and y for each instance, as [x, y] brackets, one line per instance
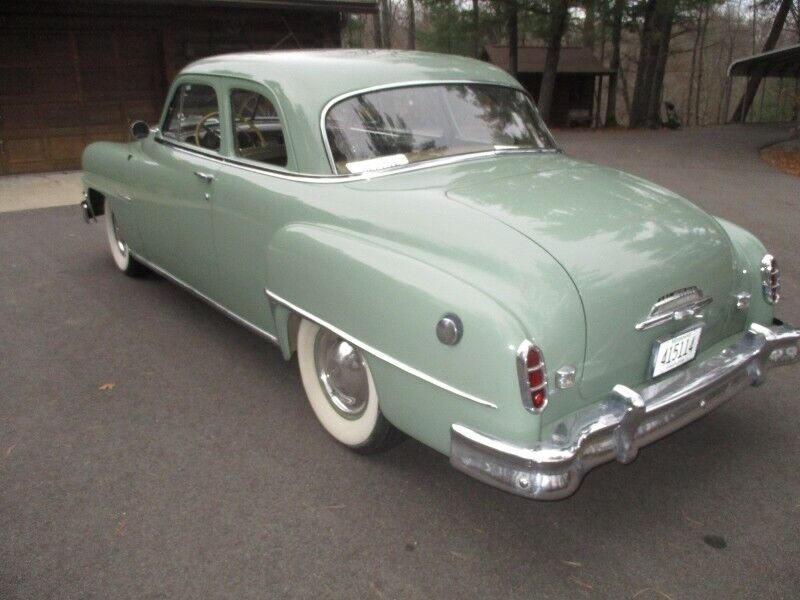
[151, 448]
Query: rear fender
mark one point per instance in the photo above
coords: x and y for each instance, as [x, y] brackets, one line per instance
[389, 303]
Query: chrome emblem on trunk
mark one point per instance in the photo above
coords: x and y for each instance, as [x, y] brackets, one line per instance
[675, 306]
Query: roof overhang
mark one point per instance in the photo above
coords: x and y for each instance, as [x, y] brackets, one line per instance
[357, 6]
[784, 62]
[573, 60]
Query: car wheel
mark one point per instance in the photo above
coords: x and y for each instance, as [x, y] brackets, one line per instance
[119, 249]
[341, 391]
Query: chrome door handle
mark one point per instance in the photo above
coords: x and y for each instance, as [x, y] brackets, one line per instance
[207, 177]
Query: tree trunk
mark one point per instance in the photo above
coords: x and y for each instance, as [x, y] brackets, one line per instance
[513, 33]
[412, 25]
[376, 29]
[598, 95]
[558, 23]
[659, 17]
[476, 31]
[700, 66]
[753, 82]
[644, 67]
[386, 24]
[667, 18]
[687, 113]
[589, 22]
[616, 37]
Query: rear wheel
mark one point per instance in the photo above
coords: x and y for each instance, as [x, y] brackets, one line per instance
[341, 391]
[119, 249]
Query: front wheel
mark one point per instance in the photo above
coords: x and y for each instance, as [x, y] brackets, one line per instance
[341, 391]
[119, 249]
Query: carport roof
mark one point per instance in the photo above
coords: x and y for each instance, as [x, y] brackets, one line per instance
[784, 62]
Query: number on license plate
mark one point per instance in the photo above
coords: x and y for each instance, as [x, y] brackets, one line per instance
[677, 351]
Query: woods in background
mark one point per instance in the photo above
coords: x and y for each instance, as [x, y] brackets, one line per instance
[660, 51]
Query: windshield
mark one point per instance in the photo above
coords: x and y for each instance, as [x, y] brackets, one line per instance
[394, 127]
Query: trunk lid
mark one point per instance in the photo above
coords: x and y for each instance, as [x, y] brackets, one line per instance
[626, 243]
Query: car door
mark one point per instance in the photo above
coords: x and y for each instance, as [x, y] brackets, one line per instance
[178, 176]
[253, 200]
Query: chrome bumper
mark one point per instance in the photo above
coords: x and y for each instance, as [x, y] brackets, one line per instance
[626, 421]
[87, 211]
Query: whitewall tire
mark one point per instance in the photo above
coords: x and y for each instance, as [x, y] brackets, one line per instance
[341, 390]
[119, 249]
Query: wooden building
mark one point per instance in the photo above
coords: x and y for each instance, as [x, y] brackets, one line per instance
[79, 71]
[577, 75]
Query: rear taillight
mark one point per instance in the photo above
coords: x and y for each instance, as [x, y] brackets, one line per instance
[770, 279]
[532, 376]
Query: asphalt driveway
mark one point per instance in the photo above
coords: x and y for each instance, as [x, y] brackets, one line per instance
[151, 448]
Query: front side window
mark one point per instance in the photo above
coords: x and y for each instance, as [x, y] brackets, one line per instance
[193, 117]
[257, 131]
[394, 127]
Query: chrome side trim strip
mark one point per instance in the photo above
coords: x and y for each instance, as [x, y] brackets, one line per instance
[231, 315]
[377, 353]
[312, 178]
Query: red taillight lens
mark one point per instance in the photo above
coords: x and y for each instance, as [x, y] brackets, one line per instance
[532, 377]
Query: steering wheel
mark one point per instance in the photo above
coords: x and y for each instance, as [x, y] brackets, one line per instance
[262, 141]
[209, 131]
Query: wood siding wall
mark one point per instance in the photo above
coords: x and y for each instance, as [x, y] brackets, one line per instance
[71, 75]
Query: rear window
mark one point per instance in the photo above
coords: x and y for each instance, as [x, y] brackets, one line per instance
[398, 126]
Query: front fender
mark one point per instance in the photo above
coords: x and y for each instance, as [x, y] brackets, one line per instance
[390, 303]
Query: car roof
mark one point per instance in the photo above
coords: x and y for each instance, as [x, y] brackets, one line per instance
[331, 73]
[305, 81]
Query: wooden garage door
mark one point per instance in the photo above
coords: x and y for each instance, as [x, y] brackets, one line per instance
[60, 90]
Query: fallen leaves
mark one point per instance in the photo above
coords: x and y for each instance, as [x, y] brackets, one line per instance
[120, 530]
[785, 157]
[10, 449]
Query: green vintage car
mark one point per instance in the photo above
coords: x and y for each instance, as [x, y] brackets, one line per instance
[405, 224]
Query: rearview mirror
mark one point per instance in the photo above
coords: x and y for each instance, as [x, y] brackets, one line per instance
[139, 130]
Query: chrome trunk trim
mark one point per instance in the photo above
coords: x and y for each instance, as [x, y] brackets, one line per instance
[675, 306]
[627, 420]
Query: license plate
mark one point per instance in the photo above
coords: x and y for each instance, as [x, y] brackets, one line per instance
[674, 352]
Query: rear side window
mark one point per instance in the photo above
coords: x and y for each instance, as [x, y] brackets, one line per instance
[257, 130]
[193, 117]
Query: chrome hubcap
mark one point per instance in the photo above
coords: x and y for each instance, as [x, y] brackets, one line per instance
[342, 373]
[117, 236]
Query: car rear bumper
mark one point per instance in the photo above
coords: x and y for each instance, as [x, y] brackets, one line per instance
[626, 421]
